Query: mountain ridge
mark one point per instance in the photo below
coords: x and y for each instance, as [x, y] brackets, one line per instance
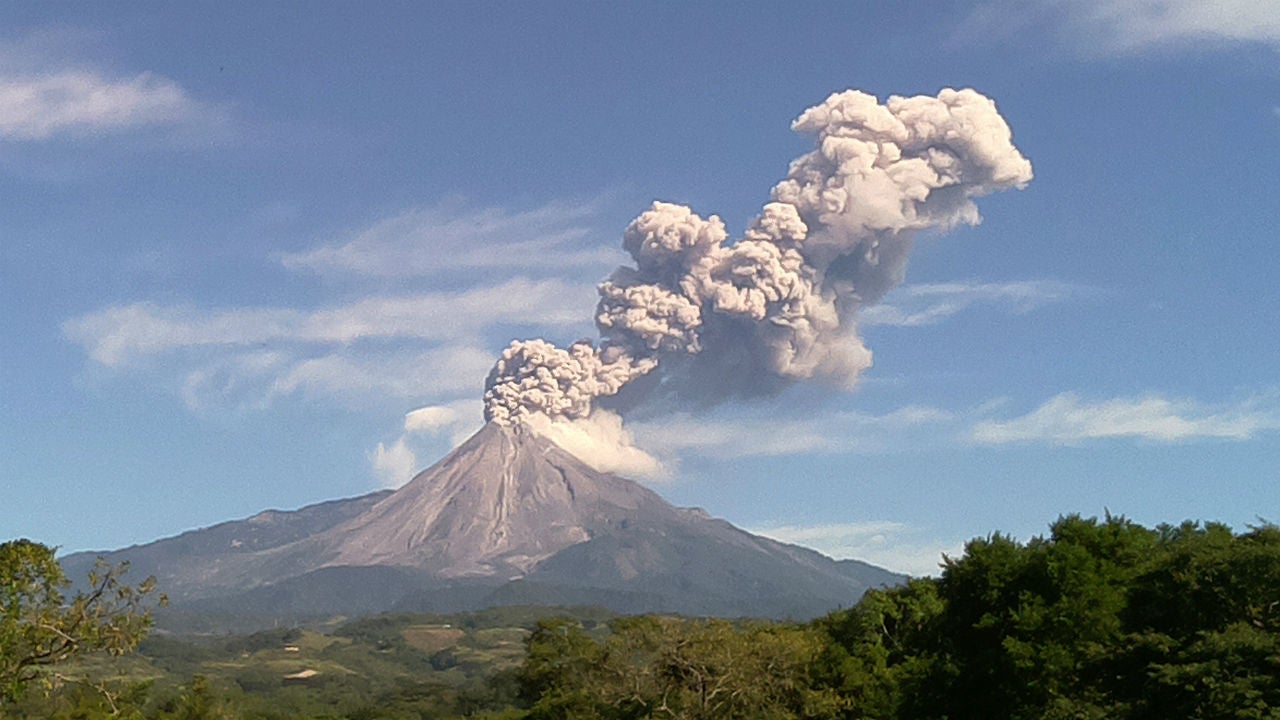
[505, 518]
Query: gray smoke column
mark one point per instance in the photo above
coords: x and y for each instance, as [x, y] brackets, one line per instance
[721, 319]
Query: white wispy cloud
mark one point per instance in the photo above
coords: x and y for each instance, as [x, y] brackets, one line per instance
[394, 464]
[426, 347]
[118, 335]
[396, 376]
[448, 237]
[397, 462]
[891, 545]
[431, 418]
[82, 102]
[601, 441]
[755, 436]
[457, 420]
[53, 86]
[1127, 26]
[378, 350]
[1143, 23]
[1064, 419]
[929, 303]
[1067, 419]
[447, 371]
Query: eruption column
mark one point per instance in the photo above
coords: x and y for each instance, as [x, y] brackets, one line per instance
[722, 319]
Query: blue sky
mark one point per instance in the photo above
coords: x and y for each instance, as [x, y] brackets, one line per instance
[240, 244]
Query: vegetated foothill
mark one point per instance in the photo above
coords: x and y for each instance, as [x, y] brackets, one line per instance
[1098, 619]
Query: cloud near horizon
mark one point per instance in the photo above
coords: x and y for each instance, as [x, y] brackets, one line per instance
[1066, 419]
[772, 436]
[891, 545]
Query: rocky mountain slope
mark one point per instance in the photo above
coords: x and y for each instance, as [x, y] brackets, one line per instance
[507, 518]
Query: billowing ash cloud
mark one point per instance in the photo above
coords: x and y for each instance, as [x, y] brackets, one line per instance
[535, 376]
[719, 319]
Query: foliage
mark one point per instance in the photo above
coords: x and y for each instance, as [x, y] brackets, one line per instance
[40, 628]
[876, 653]
[1100, 619]
[671, 668]
[365, 669]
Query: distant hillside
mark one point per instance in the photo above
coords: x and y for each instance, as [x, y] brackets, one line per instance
[508, 518]
[385, 666]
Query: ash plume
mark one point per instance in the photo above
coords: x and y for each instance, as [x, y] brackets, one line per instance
[715, 319]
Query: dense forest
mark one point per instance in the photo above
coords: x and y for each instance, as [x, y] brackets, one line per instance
[1098, 619]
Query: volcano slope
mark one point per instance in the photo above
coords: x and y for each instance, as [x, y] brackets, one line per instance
[507, 518]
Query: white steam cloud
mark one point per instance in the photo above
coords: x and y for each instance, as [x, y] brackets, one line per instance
[394, 464]
[601, 441]
[718, 319]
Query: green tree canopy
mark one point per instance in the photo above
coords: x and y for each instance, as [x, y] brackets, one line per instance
[40, 626]
[1100, 619]
[659, 667]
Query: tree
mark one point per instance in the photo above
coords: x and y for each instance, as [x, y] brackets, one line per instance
[660, 668]
[1030, 630]
[40, 627]
[559, 677]
[1205, 621]
[880, 652]
[1101, 619]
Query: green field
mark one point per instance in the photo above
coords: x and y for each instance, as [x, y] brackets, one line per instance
[387, 666]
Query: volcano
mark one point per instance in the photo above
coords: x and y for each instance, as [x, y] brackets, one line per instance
[507, 518]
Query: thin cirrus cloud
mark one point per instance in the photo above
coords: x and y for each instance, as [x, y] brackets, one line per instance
[421, 242]
[1066, 419]
[402, 349]
[256, 379]
[446, 371]
[1112, 27]
[379, 348]
[1133, 24]
[930, 303]
[119, 335]
[80, 103]
[893, 545]
[769, 436]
